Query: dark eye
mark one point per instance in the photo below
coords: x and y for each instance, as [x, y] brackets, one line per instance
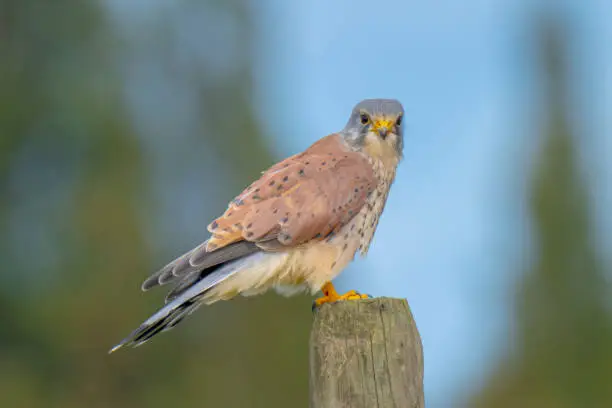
[398, 122]
[365, 119]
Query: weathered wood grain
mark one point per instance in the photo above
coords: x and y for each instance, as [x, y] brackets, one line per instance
[366, 354]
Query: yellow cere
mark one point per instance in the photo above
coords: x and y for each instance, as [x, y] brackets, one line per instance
[382, 123]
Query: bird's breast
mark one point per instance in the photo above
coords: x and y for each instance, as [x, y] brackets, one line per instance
[375, 204]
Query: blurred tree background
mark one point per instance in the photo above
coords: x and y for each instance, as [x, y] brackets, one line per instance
[562, 354]
[75, 181]
[120, 141]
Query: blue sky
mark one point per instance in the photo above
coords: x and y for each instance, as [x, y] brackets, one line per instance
[454, 238]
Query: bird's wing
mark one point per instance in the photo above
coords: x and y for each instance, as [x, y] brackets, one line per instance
[302, 198]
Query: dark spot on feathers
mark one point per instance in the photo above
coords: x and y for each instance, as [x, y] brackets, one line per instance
[257, 190]
[250, 234]
[350, 212]
[323, 163]
[360, 232]
[227, 229]
[334, 210]
[250, 225]
[352, 227]
[301, 172]
[284, 220]
[334, 159]
[214, 225]
[344, 247]
[318, 235]
[286, 178]
[333, 264]
[307, 163]
[229, 214]
[299, 214]
[256, 197]
[280, 187]
[346, 235]
[275, 211]
[238, 225]
[286, 165]
[312, 215]
[271, 183]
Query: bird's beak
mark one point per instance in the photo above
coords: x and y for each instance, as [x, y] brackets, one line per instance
[382, 131]
[382, 127]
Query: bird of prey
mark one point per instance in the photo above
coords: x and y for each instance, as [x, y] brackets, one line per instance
[295, 228]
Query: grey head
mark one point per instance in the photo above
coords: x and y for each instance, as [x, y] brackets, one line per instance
[376, 128]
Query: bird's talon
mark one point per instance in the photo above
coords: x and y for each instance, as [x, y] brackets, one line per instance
[330, 295]
[355, 296]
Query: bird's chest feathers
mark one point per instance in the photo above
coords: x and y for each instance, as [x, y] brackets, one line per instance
[375, 204]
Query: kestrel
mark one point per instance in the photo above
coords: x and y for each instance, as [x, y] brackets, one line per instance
[296, 228]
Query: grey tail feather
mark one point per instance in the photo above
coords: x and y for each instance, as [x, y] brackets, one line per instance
[195, 262]
[183, 304]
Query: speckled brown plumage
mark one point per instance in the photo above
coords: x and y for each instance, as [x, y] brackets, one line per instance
[302, 198]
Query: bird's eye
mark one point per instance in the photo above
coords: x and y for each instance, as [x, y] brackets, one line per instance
[365, 119]
[398, 122]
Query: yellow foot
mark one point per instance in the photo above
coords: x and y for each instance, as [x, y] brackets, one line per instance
[330, 295]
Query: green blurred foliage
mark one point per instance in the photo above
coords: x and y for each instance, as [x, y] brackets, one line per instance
[74, 184]
[563, 356]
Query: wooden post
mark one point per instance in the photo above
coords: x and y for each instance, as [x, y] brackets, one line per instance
[366, 354]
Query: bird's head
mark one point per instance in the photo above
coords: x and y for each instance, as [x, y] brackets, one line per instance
[376, 129]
